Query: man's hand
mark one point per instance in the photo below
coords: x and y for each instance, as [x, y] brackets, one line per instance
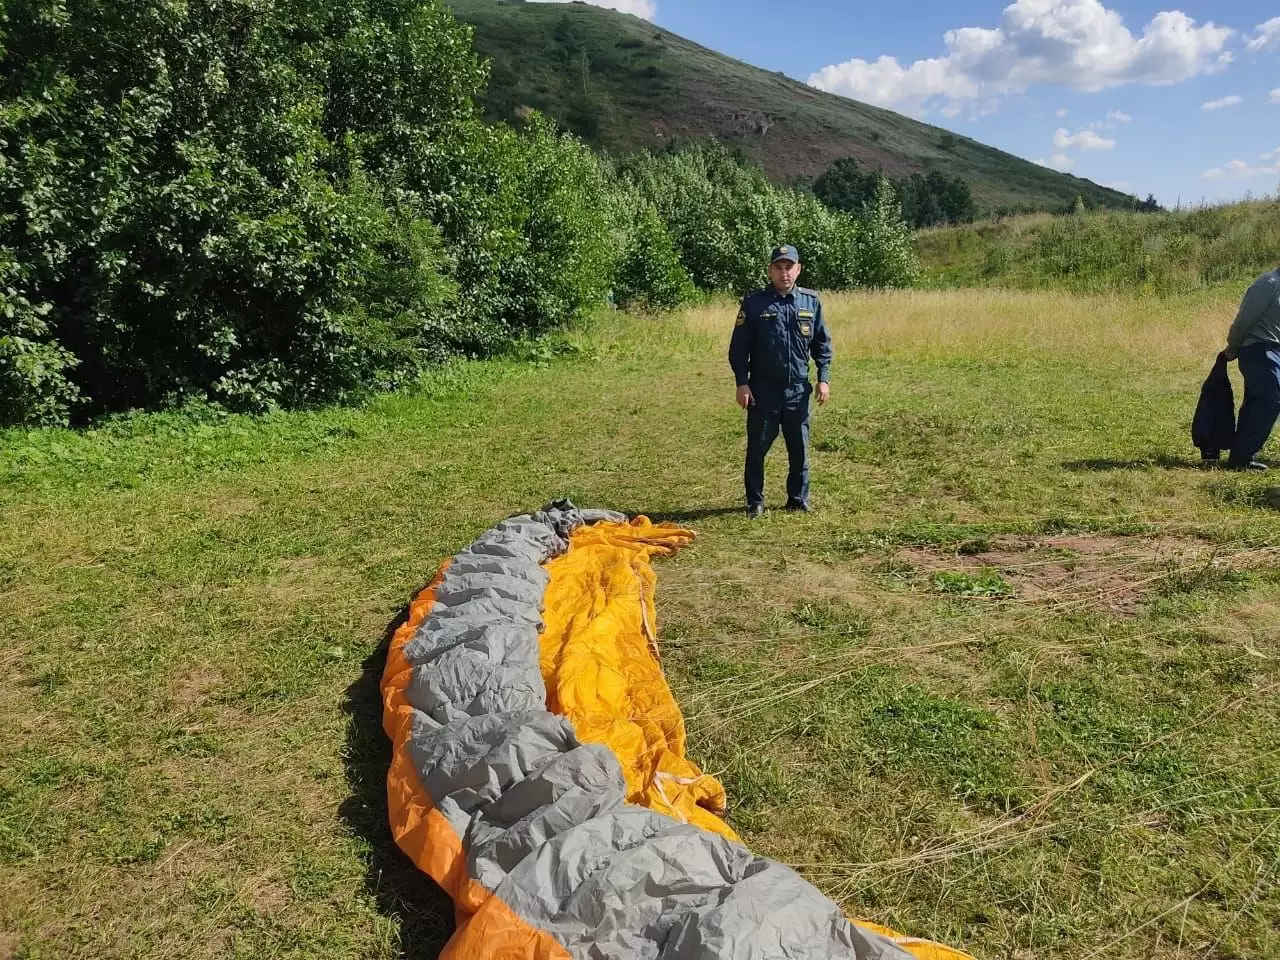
[824, 392]
[745, 399]
[1230, 354]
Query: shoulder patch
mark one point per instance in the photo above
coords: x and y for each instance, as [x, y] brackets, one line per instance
[742, 317]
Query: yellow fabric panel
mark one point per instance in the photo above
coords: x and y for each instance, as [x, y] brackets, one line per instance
[600, 661]
[920, 949]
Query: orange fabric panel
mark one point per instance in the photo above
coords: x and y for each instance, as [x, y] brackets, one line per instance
[420, 830]
[496, 932]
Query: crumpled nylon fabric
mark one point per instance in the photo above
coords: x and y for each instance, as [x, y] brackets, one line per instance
[601, 665]
[538, 771]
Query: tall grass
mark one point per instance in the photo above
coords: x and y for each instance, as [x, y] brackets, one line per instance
[1161, 254]
[918, 326]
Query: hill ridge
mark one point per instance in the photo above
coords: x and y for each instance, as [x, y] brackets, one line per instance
[625, 84]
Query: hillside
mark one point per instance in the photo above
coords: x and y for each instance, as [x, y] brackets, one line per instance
[1166, 253]
[625, 84]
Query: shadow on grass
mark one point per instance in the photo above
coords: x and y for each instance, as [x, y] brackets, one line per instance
[1161, 462]
[421, 911]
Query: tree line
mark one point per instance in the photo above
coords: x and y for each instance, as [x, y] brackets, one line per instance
[278, 204]
[925, 200]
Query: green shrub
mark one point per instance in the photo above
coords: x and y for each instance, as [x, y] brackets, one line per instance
[185, 187]
[529, 221]
[650, 276]
[725, 216]
[34, 384]
[885, 251]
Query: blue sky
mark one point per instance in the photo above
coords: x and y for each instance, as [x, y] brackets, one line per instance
[1180, 100]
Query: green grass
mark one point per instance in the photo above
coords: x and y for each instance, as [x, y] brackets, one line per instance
[901, 700]
[624, 84]
[1162, 254]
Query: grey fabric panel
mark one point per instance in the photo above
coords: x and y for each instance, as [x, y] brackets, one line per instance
[464, 683]
[619, 855]
[772, 913]
[485, 610]
[474, 760]
[543, 816]
[633, 878]
[473, 563]
[575, 787]
[505, 548]
[459, 588]
[507, 643]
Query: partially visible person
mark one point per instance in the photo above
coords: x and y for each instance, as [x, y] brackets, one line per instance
[777, 331]
[1254, 340]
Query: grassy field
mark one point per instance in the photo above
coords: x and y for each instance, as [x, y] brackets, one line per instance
[1013, 687]
[1163, 254]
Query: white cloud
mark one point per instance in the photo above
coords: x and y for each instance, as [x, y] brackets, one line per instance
[1266, 36]
[1079, 44]
[1275, 95]
[1223, 103]
[1119, 116]
[1062, 113]
[887, 83]
[1059, 161]
[1240, 170]
[645, 9]
[1084, 140]
[1121, 185]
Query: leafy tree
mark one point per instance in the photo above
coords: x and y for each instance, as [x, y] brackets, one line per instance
[650, 275]
[845, 187]
[885, 248]
[189, 190]
[925, 201]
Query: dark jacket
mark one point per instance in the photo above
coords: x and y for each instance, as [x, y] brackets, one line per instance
[775, 336]
[1213, 429]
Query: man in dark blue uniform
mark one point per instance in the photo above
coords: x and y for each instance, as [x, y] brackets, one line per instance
[778, 329]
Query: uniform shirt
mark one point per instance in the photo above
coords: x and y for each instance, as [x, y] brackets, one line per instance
[1259, 318]
[775, 335]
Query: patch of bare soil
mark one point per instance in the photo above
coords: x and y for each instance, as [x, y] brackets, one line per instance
[192, 687]
[1085, 572]
[268, 894]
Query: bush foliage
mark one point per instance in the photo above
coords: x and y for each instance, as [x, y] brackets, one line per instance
[926, 201]
[262, 204]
